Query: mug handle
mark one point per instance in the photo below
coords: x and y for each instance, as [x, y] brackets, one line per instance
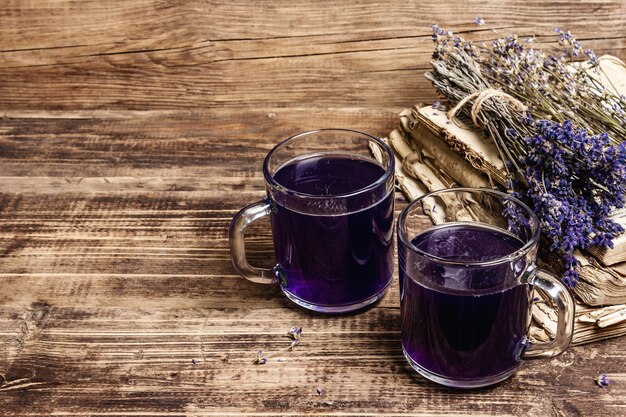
[565, 306]
[236, 231]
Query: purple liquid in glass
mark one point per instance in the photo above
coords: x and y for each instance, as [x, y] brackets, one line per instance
[334, 259]
[464, 322]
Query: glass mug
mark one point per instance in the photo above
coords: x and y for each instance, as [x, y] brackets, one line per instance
[467, 275]
[330, 204]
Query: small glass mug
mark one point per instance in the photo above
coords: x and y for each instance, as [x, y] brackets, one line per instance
[467, 275]
[330, 204]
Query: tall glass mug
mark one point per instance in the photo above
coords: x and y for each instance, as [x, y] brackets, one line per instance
[467, 274]
[330, 204]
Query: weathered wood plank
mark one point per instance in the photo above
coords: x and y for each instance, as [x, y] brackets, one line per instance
[157, 55]
[213, 146]
[119, 246]
[130, 134]
[143, 360]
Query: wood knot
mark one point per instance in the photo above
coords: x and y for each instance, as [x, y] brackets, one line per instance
[38, 311]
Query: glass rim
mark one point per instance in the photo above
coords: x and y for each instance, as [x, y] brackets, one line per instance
[528, 246]
[269, 179]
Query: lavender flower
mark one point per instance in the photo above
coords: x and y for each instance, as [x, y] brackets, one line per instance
[591, 56]
[569, 42]
[574, 181]
[510, 132]
[602, 380]
[479, 21]
[260, 360]
[295, 333]
[437, 32]
[437, 105]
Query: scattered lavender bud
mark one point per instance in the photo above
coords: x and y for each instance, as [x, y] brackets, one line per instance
[602, 380]
[479, 21]
[193, 361]
[510, 132]
[260, 360]
[437, 105]
[536, 299]
[295, 333]
[320, 391]
[329, 403]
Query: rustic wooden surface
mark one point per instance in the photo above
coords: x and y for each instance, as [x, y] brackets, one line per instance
[130, 134]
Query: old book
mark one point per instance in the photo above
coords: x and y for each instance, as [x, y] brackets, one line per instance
[423, 126]
[590, 325]
[618, 254]
[423, 166]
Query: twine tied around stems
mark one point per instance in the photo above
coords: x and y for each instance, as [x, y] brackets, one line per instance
[481, 97]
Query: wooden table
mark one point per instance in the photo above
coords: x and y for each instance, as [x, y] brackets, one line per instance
[131, 133]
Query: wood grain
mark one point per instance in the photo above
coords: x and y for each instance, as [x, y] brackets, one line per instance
[197, 54]
[130, 134]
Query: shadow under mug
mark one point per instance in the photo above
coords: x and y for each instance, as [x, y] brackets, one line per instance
[467, 274]
[330, 204]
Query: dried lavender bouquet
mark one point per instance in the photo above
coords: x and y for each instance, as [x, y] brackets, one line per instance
[557, 128]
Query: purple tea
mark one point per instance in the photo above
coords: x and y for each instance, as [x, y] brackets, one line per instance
[341, 257]
[464, 322]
